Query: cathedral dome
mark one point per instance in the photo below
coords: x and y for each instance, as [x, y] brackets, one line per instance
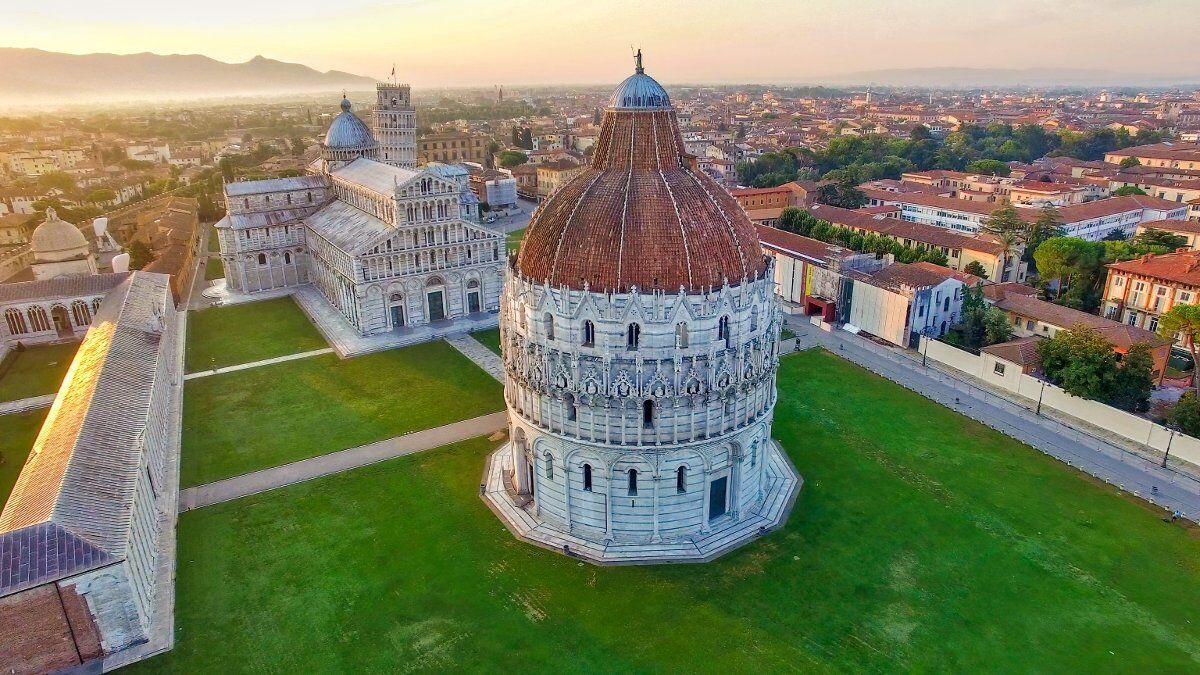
[348, 132]
[57, 239]
[642, 213]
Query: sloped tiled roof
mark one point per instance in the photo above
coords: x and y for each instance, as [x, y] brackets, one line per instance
[72, 506]
[61, 287]
[1022, 351]
[1179, 267]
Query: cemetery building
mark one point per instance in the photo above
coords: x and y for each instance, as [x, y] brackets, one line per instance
[640, 329]
[388, 246]
[87, 536]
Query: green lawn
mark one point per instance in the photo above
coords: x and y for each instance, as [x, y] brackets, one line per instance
[488, 338]
[514, 238]
[227, 336]
[261, 417]
[214, 243]
[214, 269]
[17, 433]
[35, 371]
[921, 541]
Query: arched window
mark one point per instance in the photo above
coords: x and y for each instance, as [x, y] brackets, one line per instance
[268, 199]
[632, 482]
[309, 197]
[648, 413]
[681, 335]
[589, 334]
[723, 330]
[289, 198]
[16, 322]
[549, 460]
[754, 453]
[38, 319]
[262, 258]
[587, 477]
[548, 325]
[633, 335]
[79, 310]
[681, 480]
[569, 401]
[246, 203]
[754, 318]
[287, 257]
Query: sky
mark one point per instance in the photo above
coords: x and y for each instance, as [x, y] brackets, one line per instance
[484, 42]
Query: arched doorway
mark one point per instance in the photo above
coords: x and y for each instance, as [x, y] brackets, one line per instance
[473, 303]
[435, 299]
[396, 309]
[62, 321]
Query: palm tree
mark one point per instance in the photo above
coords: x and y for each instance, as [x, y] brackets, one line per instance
[1006, 226]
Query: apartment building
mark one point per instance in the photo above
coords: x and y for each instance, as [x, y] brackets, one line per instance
[1138, 292]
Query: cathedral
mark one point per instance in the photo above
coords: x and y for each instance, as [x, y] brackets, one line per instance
[387, 244]
[640, 328]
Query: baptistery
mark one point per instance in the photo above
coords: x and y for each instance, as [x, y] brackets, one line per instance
[639, 331]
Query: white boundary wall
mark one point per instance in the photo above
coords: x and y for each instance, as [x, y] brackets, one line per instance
[1137, 429]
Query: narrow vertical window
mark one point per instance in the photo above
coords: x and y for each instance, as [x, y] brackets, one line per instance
[723, 330]
[587, 477]
[548, 322]
[681, 479]
[647, 413]
[589, 334]
[549, 459]
[632, 482]
[681, 335]
[633, 335]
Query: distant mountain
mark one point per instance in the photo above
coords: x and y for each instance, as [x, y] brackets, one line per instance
[34, 76]
[999, 77]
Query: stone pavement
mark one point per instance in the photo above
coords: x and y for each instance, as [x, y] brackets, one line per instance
[336, 462]
[24, 404]
[1132, 473]
[255, 364]
[479, 353]
[346, 341]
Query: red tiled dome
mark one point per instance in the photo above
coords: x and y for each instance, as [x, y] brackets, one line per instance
[640, 215]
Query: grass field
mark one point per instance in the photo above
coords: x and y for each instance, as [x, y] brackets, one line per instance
[488, 338]
[920, 541]
[214, 243]
[228, 336]
[214, 269]
[261, 417]
[514, 238]
[35, 371]
[17, 433]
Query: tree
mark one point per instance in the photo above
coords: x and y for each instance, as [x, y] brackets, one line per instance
[1128, 190]
[1047, 226]
[989, 167]
[140, 254]
[511, 158]
[1133, 381]
[975, 267]
[845, 195]
[1080, 361]
[1066, 258]
[920, 133]
[1185, 415]
[57, 180]
[101, 196]
[1129, 162]
[981, 324]
[1183, 321]
[1160, 238]
[1006, 226]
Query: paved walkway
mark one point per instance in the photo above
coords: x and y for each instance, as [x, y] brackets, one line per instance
[479, 353]
[336, 462]
[255, 364]
[1132, 473]
[31, 403]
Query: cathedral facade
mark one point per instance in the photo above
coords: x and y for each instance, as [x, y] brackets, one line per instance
[388, 246]
[640, 329]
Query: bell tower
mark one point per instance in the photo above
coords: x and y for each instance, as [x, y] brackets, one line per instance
[395, 124]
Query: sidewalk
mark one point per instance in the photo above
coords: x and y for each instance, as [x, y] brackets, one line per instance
[336, 462]
[480, 354]
[24, 404]
[1114, 465]
[255, 364]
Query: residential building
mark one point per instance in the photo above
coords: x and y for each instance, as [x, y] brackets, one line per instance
[453, 146]
[149, 152]
[551, 176]
[1031, 316]
[901, 302]
[1138, 292]
[1171, 154]
[1188, 229]
[764, 205]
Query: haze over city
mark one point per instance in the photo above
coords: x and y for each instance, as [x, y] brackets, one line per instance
[457, 44]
